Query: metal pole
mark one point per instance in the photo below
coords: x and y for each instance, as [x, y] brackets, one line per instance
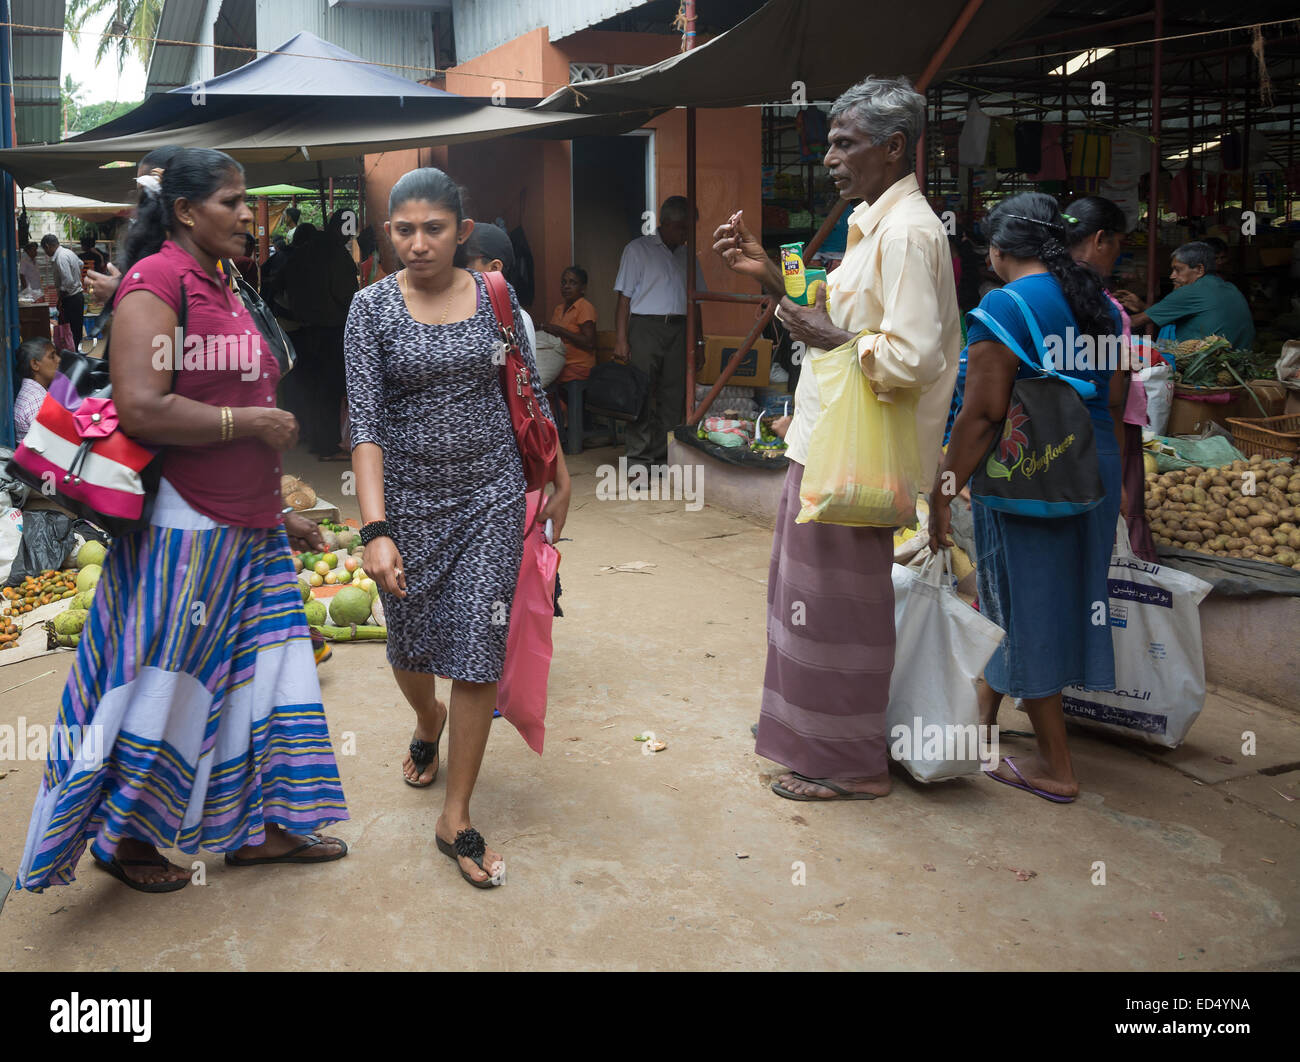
[1247, 177]
[691, 337]
[950, 38]
[263, 227]
[1092, 27]
[688, 25]
[1153, 182]
[320, 194]
[8, 235]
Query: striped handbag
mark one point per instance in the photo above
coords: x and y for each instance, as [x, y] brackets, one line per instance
[76, 453]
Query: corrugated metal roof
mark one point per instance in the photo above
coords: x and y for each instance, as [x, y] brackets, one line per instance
[171, 65]
[481, 25]
[404, 37]
[37, 62]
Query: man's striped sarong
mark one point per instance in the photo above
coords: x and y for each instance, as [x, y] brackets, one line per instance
[830, 645]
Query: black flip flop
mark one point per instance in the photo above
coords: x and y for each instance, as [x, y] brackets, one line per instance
[292, 856]
[840, 792]
[470, 844]
[115, 865]
[423, 754]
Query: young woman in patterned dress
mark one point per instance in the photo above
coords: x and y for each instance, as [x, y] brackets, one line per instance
[441, 489]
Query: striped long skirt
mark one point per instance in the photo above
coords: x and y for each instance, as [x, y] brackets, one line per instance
[192, 715]
[830, 645]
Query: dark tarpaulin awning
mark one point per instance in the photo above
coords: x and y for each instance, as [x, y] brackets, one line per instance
[261, 115]
[827, 45]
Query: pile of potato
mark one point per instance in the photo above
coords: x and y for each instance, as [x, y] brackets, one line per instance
[1216, 511]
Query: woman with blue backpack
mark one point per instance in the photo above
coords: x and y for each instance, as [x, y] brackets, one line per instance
[1037, 439]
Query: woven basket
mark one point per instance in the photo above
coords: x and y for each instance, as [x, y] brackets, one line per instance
[1182, 390]
[1267, 436]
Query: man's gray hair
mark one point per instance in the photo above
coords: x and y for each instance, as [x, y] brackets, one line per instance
[883, 106]
[1196, 254]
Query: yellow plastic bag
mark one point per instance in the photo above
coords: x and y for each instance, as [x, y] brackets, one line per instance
[863, 462]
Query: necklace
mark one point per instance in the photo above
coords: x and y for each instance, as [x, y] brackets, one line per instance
[404, 286]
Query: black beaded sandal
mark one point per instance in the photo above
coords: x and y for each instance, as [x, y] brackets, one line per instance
[424, 753]
[470, 844]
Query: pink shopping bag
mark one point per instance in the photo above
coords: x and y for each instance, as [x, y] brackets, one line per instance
[521, 693]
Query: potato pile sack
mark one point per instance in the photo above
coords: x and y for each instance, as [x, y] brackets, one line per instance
[1249, 509]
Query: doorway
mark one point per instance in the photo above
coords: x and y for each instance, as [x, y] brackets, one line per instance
[613, 185]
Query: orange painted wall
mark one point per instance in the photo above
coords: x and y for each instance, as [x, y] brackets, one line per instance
[381, 173]
[528, 182]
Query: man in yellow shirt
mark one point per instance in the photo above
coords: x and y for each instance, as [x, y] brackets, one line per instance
[830, 595]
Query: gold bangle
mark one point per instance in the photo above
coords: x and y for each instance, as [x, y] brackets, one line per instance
[227, 424]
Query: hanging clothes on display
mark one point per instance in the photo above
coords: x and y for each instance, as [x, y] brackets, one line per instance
[1090, 154]
[1053, 157]
[1185, 196]
[1230, 153]
[973, 143]
[1291, 175]
[1002, 144]
[1029, 146]
[950, 135]
[1130, 158]
[1216, 191]
[813, 133]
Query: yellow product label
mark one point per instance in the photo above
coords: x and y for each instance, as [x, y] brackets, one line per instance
[814, 285]
[792, 269]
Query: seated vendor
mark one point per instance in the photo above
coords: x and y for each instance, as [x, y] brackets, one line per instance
[574, 321]
[38, 363]
[1201, 304]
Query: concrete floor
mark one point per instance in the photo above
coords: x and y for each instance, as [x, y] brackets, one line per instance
[685, 859]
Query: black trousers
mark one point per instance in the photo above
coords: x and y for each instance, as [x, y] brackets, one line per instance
[72, 312]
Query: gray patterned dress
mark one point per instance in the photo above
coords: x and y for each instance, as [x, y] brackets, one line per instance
[430, 397]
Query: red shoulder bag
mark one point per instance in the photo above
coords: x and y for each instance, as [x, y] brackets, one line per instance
[537, 437]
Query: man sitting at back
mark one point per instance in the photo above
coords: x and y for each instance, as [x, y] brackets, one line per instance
[1201, 304]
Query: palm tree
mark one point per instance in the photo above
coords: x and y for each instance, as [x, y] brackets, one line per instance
[70, 91]
[127, 24]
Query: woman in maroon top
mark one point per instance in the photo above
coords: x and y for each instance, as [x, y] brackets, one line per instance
[195, 660]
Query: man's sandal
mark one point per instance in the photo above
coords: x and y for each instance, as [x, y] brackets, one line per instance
[840, 792]
[115, 867]
[424, 753]
[469, 844]
[294, 855]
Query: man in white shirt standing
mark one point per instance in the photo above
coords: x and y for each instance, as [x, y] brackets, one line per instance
[67, 278]
[650, 326]
[830, 629]
[28, 270]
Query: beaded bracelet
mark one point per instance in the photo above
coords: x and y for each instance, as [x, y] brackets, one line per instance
[373, 530]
